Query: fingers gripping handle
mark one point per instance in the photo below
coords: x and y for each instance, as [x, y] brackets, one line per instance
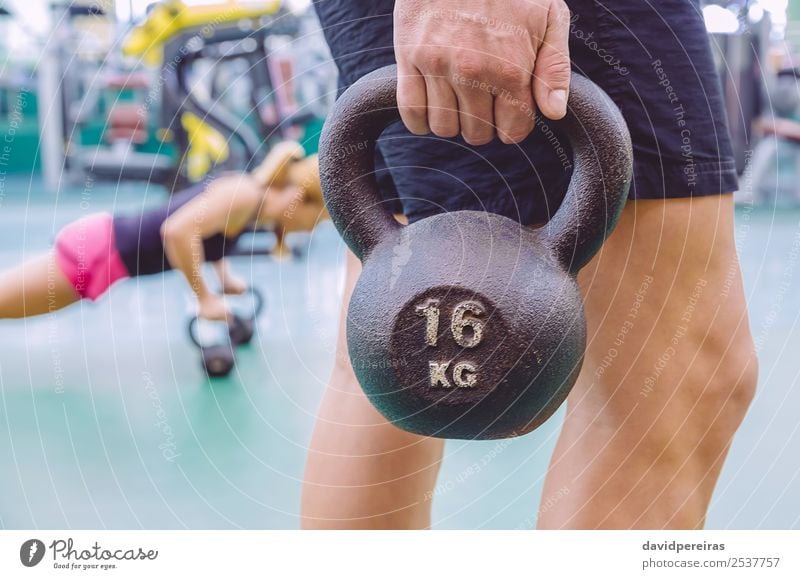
[597, 193]
[347, 161]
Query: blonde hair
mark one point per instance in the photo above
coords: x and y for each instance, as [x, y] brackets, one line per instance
[305, 174]
[286, 163]
[274, 169]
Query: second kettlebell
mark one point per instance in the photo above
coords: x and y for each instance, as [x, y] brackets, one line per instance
[217, 359]
[243, 324]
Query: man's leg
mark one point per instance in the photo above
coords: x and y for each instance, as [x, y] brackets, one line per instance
[362, 472]
[669, 372]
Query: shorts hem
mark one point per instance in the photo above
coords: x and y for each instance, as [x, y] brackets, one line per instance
[675, 181]
[86, 253]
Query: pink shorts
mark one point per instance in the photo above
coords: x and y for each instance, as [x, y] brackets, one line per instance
[87, 254]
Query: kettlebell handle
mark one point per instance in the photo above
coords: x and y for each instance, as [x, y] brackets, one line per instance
[602, 156]
[191, 330]
[258, 300]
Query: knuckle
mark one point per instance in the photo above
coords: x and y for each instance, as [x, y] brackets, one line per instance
[514, 136]
[510, 76]
[417, 129]
[561, 12]
[477, 137]
[433, 61]
[408, 106]
[517, 131]
[468, 68]
[416, 125]
[444, 129]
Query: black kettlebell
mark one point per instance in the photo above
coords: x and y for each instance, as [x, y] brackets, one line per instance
[242, 328]
[479, 330]
[217, 359]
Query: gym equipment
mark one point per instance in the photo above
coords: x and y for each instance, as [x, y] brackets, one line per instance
[467, 324]
[243, 322]
[740, 56]
[218, 39]
[91, 123]
[125, 130]
[774, 161]
[168, 19]
[784, 96]
[218, 359]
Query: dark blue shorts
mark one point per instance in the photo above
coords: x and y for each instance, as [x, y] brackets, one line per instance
[653, 59]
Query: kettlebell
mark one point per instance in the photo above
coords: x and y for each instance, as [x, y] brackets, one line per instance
[242, 327]
[478, 332]
[217, 359]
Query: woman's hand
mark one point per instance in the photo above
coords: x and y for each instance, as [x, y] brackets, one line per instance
[233, 285]
[480, 67]
[212, 307]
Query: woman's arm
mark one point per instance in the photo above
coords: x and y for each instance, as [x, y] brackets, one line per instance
[226, 207]
[785, 128]
[228, 281]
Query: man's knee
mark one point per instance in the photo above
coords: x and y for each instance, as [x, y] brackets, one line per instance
[712, 390]
[701, 384]
[731, 385]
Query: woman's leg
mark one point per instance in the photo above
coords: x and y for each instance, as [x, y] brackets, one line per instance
[363, 472]
[35, 287]
[281, 250]
[669, 372]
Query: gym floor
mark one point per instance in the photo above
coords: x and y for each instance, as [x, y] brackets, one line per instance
[108, 421]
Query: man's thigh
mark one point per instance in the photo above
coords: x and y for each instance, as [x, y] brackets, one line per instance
[667, 277]
[668, 374]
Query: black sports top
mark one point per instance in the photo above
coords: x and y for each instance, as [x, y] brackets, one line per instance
[138, 237]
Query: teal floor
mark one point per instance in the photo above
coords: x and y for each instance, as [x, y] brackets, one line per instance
[107, 420]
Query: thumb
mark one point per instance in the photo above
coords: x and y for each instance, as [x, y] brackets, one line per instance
[551, 71]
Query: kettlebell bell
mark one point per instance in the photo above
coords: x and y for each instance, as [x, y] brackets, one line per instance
[479, 331]
[217, 359]
[242, 327]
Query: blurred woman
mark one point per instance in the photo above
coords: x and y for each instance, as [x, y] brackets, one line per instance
[197, 225]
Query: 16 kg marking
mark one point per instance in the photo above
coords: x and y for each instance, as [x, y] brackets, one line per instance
[467, 333]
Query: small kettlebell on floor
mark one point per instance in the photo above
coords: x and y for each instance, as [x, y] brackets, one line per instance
[482, 335]
[243, 321]
[218, 359]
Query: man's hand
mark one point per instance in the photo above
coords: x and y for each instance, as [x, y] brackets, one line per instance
[212, 307]
[477, 66]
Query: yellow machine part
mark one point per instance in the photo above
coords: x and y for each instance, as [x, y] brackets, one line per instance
[173, 16]
[207, 147]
